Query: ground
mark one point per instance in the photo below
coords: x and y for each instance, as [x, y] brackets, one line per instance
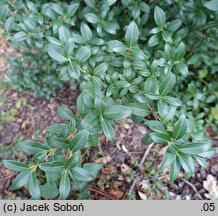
[23, 116]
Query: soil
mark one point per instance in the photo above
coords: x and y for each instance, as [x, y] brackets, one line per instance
[120, 160]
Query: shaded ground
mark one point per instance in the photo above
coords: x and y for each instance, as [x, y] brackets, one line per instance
[28, 117]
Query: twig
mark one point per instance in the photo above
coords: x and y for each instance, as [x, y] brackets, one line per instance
[193, 187]
[7, 178]
[140, 167]
[103, 193]
[145, 155]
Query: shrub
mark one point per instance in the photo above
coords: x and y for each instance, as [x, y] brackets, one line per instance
[33, 74]
[131, 59]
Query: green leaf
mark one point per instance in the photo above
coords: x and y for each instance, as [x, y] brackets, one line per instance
[174, 25]
[101, 69]
[99, 106]
[56, 52]
[180, 129]
[32, 147]
[209, 153]
[88, 99]
[195, 147]
[80, 140]
[152, 96]
[92, 168]
[172, 101]
[169, 52]
[90, 120]
[15, 165]
[9, 23]
[58, 9]
[117, 112]
[156, 126]
[174, 170]
[52, 177]
[167, 36]
[140, 109]
[54, 41]
[85, 32]
[83, 54]
[81, 108]
[32, 7]
[71, 9]
[64, 34]
[159, 17]
[212, 5]
[34, 187]
[76, 159]
[214, 112]
[64, 186]
[117, 46]
[187, 165]
[73, 70]
[153, 41]
[49, 191]
[21, 179]
[182, 67]
[19, 36]
[65, 113]
[110, 27]
[58, 142]
[147, 139]
[132, 34]
[202, 162]
[167, 160]
[123, 84]
[108, 129]
[69, 46]
[92, 18]
[53, 167]
[167, 84]
[166, 112]
[81, 174]
[160, 138]
[151, 85]
[180, 51]
[58, 129]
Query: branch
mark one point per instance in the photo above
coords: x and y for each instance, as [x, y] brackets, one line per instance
[193, 187]
[140, 167]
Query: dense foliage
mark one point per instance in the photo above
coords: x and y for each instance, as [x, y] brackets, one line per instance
[131, 59]
[33, 74]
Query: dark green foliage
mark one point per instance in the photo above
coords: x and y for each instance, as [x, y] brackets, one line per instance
[33, 74]
[131, 59]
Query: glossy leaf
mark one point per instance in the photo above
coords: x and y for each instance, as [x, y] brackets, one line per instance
[167, 160]
[108, 129]
[54, 166]
[117, 112]
[86, 32]
[180, 128]
[64, 186]
[167, 84]
[174, 170]
[159, 16]
[195, 147]
[80, 140]
[21, 180]
[32, 147]
[65, 113]
[56, 52]
[34, 187]
[83, 54]
[132, 34]
[64, 34]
